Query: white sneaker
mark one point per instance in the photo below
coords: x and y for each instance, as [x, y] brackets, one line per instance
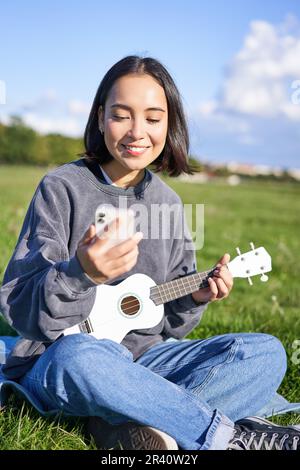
[128, 436]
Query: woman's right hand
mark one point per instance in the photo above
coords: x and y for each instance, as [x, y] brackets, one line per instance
[102, 263]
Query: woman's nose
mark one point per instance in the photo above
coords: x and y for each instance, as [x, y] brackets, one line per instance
[137, 130]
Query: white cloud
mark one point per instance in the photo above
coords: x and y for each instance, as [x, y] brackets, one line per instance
[49, 113]
[79, 107]
[2, 92]
[50, 94]
[261, 74]
[208, 107]
[4, 119]
[46, 100]
[44, 125]
[248, 139]
[256, 115]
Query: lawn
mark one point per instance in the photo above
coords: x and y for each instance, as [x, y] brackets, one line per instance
[262, 212]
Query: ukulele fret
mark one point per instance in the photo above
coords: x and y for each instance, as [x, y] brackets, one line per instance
[179, 287]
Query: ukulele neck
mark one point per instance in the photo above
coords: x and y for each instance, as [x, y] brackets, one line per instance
[179, 287]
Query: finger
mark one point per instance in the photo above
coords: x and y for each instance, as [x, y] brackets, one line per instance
[123, 264]
[118, 250]
[224, 260]
[213, 288]
[89, 235]
[128, 245]
[222, 288]
[126, 259]
[225, 275]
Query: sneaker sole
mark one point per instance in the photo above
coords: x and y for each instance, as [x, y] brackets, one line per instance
[129, 436]
[147, 438]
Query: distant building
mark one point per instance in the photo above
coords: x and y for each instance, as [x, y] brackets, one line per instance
[233, 172]
[201, 177]
[233, 180]
[294, 173]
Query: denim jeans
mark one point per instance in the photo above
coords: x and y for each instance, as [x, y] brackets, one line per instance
[193, 390]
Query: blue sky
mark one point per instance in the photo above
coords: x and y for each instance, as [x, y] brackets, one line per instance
[233, 61]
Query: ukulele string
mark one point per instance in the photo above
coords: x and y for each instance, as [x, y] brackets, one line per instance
[186, 283]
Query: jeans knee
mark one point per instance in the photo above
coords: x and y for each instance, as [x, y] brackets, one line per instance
[272, 354]
[279, 357]
[81, 353]
[265, 356]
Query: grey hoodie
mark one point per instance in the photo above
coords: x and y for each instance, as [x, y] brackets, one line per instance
[45, 289]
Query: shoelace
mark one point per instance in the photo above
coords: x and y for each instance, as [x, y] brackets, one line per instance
[254, 442]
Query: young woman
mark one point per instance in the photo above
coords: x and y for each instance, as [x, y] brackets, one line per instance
[154, 390]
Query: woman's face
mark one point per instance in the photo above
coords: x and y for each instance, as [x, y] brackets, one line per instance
[129, 120]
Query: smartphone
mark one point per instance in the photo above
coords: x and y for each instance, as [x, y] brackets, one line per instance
[105, 214]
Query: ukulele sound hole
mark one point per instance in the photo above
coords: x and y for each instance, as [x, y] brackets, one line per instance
[130, 305]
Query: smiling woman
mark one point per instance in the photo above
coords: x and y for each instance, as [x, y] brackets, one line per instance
[137, 112]
[132, 132]
[191, 393]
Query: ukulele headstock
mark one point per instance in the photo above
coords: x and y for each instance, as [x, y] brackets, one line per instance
[253, 262]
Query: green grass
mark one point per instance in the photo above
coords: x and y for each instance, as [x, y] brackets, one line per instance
[265, 213]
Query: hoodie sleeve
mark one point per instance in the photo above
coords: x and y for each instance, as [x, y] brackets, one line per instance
[183, 314]
[43, 290]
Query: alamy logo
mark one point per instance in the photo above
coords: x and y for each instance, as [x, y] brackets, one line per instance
[296, 354]
[2, 352]
[296, 94]
[2, 92]
[169, 221]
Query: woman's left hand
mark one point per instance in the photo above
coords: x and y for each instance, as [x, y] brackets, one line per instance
[220, 284]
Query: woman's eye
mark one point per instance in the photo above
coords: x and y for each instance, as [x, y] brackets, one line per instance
[150, 120]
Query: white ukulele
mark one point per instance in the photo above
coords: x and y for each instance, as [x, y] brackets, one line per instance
[137, 302]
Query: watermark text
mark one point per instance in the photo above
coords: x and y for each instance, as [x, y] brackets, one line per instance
[2, 92]
[296, 94]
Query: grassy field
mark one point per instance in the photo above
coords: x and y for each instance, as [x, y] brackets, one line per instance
[265, 213]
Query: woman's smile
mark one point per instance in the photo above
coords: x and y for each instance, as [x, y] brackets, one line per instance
[134, 150]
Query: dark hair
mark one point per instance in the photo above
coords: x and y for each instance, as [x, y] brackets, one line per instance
[174, 157]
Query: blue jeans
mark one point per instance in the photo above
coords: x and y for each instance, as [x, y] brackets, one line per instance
[193, 390]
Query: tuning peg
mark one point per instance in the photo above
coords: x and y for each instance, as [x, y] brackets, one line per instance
[252, 245]
[238, 251]
[250, 281]
[264, 278]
